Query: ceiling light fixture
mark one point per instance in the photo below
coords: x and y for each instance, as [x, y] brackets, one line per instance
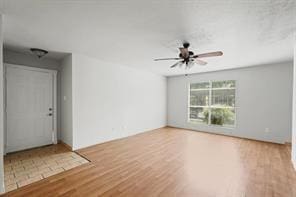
[38, 52]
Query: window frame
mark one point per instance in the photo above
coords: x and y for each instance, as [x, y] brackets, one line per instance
[210, 89]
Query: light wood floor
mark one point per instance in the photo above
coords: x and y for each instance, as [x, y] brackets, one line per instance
[175, 162]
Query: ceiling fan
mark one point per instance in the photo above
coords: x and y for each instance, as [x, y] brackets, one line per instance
[188, 58]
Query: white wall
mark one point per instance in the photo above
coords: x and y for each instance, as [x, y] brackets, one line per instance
[294, 111]
[1, 109]
[263, 98]
[111, 101]
[66, 101]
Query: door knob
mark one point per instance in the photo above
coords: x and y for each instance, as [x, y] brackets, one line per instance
[50, 114]
[50, 109]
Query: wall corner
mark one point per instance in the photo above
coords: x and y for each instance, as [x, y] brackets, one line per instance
[293, 153]
[1, 109]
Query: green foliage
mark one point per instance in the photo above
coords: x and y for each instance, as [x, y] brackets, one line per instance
[219, 116]
[200, 85]
[223, 84]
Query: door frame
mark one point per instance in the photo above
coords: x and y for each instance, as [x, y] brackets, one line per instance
[54, 73]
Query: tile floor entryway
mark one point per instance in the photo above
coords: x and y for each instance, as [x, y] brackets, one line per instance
[25, 167]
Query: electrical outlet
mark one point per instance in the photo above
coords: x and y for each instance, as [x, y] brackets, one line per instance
[267, 130]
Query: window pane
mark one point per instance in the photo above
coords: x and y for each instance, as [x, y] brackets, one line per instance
[223, 84]
[199, 98]
[223, 97]
[203, 85]
[199, 114]
[223, 116]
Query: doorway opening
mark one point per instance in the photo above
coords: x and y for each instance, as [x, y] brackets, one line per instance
[30, 107]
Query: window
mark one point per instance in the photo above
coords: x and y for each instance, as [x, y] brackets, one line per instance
[212, 103]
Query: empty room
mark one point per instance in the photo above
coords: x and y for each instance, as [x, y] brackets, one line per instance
[135, 98]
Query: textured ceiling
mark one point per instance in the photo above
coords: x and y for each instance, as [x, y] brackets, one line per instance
[134, 32]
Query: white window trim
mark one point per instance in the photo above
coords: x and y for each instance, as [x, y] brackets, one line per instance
[189, 120]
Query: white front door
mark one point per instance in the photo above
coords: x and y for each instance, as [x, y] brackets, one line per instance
[29, 108]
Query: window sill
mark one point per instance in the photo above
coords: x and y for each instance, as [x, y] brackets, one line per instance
[210, 125]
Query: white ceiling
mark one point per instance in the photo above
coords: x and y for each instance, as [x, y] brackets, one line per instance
[134, 32]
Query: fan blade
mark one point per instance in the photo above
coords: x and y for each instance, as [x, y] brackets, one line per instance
[190, 64]
[174, 58]
[182, 63]
[200, 62]
[211, 54]
[177, 64]
[184, 52]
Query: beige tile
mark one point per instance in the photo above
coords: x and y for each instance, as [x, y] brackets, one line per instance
[23, 183]
[7, 167]
[42, 166]
[10, 187]
[76, 160]
[47, 174]
[8, 172]
[71, 165]
[28, 181]
[34, 179]
[61, 161]
[67, 167]
[30, 167]
[33, 170]
[21, 178]
[9, 181]
[58, 170]
[53, 167]
[75, 155]
[75, 164]
[20, 174]
[26, 167]
[8, 176]
[84, 161]
[37, 160]
[27, 162]
[44, 170]
[34, 174]
[18, 167]
[6, 161]
[51, 163]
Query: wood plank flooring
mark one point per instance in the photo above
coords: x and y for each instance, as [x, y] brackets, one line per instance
[175, 162]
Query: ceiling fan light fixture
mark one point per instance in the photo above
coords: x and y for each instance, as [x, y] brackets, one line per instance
[38, 52]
